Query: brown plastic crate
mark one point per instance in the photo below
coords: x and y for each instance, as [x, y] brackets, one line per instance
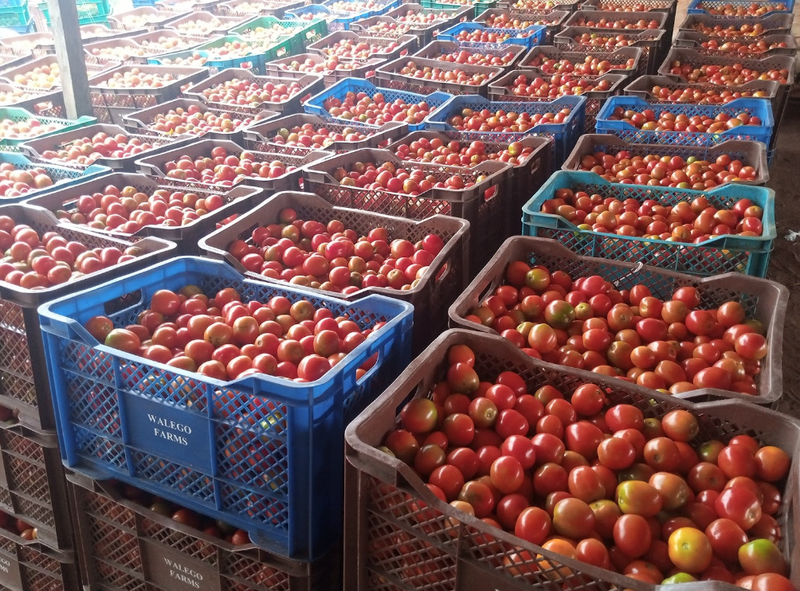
[539, 5]
[579, 54]
[310, 84]
[651, 42]
[24, 386]
[668, 6]
[93, 68]
[695, 40]
[445, 279]
[388, 76]
[260, 137]
[32, 485]
[276, 8]
[183, 24]
[436, 50]
[154, 165]
[486, 215]
[112, 104]
[362, 28]
[500, 90]
[406, 44]
[553, 20]
[398, 545]
[526, 177]
[34, 148]
[46, 104]
[456, 14]
[40, 44]
[143, 120]
[154, 17]
[579, 17]
[97, 31]
[124, 546]
[766, 301]
[774, 23]
[31, 566]
[134, 45]
[356, 69]
[237, 200]
[749, 152]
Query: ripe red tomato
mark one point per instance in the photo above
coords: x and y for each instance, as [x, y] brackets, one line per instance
[632, 535]
[533, 525]
[739, 505]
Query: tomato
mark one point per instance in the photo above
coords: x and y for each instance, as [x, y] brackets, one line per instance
[479, 496]
[428, 458]
[687, 295]
[706, 476]
[507, 474]
[662, 454]
[465, 459]
[616, 453]
[588, 399]
[771, 582]
[510, 422]
[584, 484]
[419, 415]
[459, 428]
[594, 552]
[583, 437]
[680, 425]
[751, 346]
[739, 505]
[165, 302]
[542, 337]
[644, 568]
[403, 445]
[737, 460]
[606, 513]
[673, 490]
[462, 378]
[123, 339]
[461, 354]
[726, 538]
[762, 556]
[448, 479]
[624, 416]
[533, 525]
[638, 498]
[549, 448]
[632, 535]
[99, 327]
[549, 478]
[501, 396]
[771, 496]
[772, 463]
[573, 518]
[690, 550]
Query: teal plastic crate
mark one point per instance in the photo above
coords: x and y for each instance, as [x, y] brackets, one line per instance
[13, 17]
[89, 11]
[260, 452]
[254, 61]
[480, 6]
[721, 254]
[298, 33]
[17, 114]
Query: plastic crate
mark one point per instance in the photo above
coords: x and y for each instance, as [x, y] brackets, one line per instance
[724, 254]
[335, 21]
[405, 45]
[29, 565]
[427, 34]
[316, 104]
[61, 176]
[98, 31]
[123, 546]
[526, 177]
[145, 40]
[553, 20]
[182, 6]
[764, 300]
[389, 76]
[143, 16]
[154, 165]
[43, 104]
[651, 42]
[9, 3]
[207, 56]
[35, 148]
[619, 57]
[89, 11]
[22, 66]
[32, 486]
[755, 107]
[713, 7]
[479, 5]
[695, 40]
[298, 33]
[581, 16]
[775, 23]
[23, 385]
[261, 136]
[528, 37]
[17, 114]
[293, 501]
[485, 205]
[439, 50]
[237, 200]
[696, 59]
[345, 70]
[369, 28]
[750, 153]
[564, 135]
[187, 24]
[402, 536]
[381, 7]
[446, 277]
[112, 104]
[142, 121]
[130, 56]
[668, 6]
[501, 90]
[14, 16]
[38, 43]
[276, 8]
[310, 84]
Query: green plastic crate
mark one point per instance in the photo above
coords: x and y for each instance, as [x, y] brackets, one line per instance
[17, 114]
[14, 16]
[298, 32]
[89, 11]
[480, 6]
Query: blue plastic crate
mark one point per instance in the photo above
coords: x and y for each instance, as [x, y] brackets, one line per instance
[314, 105]
[564, 134]
[723, 254]
[140, 3]
[261, 453]
[528, 37]
[336, 21]
[30, 27]
[703, 6]
[62, 176]
[755, 107]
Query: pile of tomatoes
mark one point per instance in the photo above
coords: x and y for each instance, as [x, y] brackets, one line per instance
[675, 345]
[666, 121]
[224, 338]
[595, 481]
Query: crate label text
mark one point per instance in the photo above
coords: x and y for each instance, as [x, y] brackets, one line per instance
[10, 575]
[168, 568]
